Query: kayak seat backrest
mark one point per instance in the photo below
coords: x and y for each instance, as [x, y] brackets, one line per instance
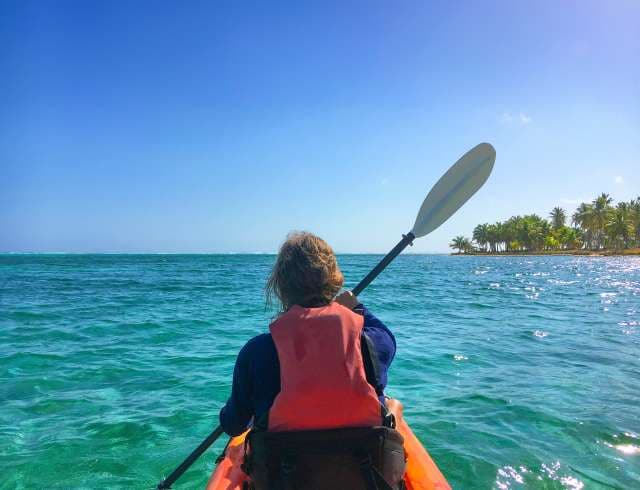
[363, 458]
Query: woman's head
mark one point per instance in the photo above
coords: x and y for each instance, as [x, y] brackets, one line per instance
[306, 272]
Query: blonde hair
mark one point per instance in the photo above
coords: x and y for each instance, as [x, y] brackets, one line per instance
[306, 272]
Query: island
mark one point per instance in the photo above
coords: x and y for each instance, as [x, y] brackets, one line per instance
[597, 228]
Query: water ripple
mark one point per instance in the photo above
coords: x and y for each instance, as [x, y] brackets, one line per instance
[515, 372]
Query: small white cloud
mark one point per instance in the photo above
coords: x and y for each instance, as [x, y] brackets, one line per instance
[618, 179]
[509, 119]
[506, 118]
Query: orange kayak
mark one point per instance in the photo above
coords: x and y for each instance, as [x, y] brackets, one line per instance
[422, 473]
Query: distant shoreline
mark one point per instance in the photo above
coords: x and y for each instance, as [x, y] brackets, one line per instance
[578, 253]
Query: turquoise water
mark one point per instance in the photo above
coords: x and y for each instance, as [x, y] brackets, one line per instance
[518, 372]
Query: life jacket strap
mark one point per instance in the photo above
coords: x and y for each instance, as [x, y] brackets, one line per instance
[371, 364]
[288, 471]
[370, 474]
[372, 372]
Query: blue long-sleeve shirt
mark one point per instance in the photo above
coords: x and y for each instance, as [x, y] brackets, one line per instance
[256, 376]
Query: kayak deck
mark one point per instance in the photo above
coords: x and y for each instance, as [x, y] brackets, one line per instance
[421, 474]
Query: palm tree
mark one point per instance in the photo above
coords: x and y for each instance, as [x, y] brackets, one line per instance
[480, 235]
[581, 215]
[468, 246]
[532, 231]
[551, 243]
[459, 243]
[492, 237]
[601, 212]
[558, 217]
[584, 219]
[634, 216]
[502, 234]
[510, 233]
[568, 238]
[603, 200]
[619, 226]
[573, 238]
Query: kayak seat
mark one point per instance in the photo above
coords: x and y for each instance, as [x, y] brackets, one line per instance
[362, 458]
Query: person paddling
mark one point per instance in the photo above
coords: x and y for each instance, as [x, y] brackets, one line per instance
[323, 366]
[380, 450]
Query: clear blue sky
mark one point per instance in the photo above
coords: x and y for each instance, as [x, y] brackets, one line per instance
[220, 126]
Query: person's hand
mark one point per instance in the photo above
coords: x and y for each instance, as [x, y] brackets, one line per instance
[395, 407]
[347, 299]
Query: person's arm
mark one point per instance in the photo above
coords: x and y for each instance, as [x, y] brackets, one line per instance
[236, 414]
[382, 338]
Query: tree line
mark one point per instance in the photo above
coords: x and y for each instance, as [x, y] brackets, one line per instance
[594, 226]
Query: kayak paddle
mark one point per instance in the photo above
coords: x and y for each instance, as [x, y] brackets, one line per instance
[184, 466]
[453, 189]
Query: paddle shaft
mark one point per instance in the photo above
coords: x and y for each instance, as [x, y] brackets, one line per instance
[177, 473]
[402, 244]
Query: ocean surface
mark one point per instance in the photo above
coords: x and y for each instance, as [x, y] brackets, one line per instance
[516, 372]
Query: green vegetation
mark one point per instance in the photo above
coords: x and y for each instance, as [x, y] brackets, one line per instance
[597, 226]
[462, 244]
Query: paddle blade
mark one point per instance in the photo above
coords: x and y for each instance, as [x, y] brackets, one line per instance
[455, 188]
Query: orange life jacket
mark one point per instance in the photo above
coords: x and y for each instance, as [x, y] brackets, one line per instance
[322, 377]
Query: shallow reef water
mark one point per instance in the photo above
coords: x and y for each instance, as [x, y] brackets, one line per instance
[515, 372]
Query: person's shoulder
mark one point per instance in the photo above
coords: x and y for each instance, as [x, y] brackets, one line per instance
[259, 341]
[257, 346]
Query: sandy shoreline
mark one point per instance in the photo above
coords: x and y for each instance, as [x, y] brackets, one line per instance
[581, 253]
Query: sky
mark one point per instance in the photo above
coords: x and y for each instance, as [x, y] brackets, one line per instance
[221, 126]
